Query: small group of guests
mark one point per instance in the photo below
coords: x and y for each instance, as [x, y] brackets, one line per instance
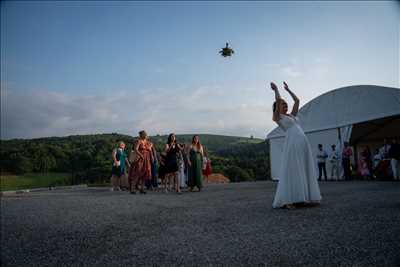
[177, 166]
[386, 160]
[384, 163]
[334, 158]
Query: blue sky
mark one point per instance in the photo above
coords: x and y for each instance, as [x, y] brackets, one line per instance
[94, 67]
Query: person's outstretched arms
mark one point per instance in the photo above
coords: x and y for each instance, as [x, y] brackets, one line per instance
[276, 115]
[296, 105]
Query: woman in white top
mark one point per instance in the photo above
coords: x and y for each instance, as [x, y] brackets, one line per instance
[297, 180]
[181, 171]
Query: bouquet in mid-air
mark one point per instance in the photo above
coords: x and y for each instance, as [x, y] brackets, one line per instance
[226, 51]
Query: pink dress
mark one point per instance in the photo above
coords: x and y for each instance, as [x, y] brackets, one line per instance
[141, 168]
[363, 166]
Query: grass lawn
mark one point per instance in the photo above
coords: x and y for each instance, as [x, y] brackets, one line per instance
[32, 180]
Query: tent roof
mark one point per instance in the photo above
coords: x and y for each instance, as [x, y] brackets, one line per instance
[347, 106]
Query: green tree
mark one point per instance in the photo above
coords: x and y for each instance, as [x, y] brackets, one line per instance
[237, 174]
[22, 165]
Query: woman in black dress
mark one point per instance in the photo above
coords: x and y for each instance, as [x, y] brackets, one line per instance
[171, 167]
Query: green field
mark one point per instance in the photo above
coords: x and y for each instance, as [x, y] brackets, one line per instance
[33, 180]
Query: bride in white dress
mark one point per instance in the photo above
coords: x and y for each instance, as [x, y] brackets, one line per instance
[298, 179]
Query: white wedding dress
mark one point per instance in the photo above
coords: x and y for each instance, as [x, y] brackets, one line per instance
[298, 177]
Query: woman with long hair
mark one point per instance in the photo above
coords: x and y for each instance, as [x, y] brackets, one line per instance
[171, 167]
[298, 179]
[141, 169]
[196, 153]
[152, 184]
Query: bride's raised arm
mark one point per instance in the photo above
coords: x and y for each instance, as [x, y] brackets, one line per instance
[296, 105]
[276, 114]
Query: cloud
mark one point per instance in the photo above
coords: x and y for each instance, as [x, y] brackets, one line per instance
[205, 109]
[315, 67]
[291, 72]
[44, 113]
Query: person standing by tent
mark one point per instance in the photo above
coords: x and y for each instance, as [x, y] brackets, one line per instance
[334, 161]
[384, 150]
[394, 155]
[363, 168]
[118, 169]
[346, 155]
[297, 180]
[376, 159]
[321, 159]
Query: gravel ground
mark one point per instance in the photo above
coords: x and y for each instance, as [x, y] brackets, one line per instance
[358, 224]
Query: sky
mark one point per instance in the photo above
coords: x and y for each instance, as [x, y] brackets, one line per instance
[99, 67]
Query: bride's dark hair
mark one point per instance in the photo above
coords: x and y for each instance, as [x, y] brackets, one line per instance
[274, 107]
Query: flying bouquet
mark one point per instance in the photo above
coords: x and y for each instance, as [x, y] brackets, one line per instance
[227, 51]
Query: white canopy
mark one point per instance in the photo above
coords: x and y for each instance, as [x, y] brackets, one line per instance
[329, 118]
[346, 106]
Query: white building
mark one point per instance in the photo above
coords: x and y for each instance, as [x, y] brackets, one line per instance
[362, 115]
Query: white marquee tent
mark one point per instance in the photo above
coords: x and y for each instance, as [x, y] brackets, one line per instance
[362, 115]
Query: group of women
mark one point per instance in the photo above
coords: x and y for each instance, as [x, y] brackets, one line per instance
[177, 165]
[297, 186]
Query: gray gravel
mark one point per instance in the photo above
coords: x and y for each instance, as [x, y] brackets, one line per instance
[358, 224]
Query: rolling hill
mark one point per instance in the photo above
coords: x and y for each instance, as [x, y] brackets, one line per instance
[88, 157]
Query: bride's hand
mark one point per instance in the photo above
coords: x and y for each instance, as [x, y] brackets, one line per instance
[286, 86]
[273, 86]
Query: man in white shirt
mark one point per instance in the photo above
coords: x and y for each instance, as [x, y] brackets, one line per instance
[334, 160]
[384, 150]
[321, 159]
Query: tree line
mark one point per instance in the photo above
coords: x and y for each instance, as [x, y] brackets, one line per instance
[87, 158]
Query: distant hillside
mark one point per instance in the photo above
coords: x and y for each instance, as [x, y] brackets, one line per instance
[212, 142]
[88, 157]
